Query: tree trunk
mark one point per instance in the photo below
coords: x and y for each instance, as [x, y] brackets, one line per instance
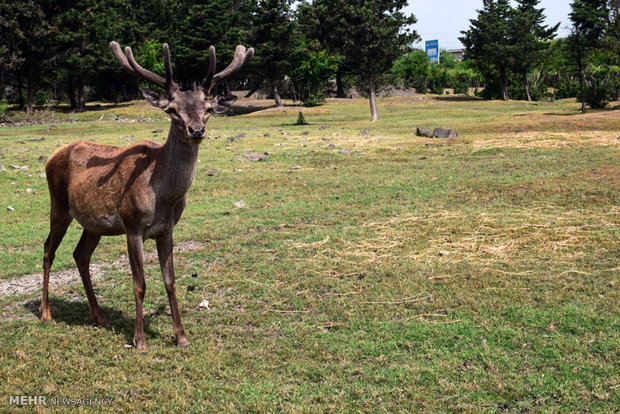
[504, 83]
[81, 97]
[582, 75]
[526, 85]
[374, 115]
[252, 91]
[339, 86]
[71, 95]
[30, 103]
[582, 85]
[20, 90]
[276, 95]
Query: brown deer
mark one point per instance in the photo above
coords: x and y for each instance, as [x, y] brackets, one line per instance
[139, 190]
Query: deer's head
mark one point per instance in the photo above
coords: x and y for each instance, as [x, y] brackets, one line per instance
[189, 110]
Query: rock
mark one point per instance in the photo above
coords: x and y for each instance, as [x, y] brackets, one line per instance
[423, 132]
[252, 156]
[267, 135]
[42, 175]
[239, 204]
[445, 133]
[42, 158]
[331, 146]
[29, 190]
[10, 208]
[19, 167]
[157, 131]
[204, 304]
[365, 133]
[324, 127]
[211, 172]
[36, 138]
[296, 167]
[2, 167]
[332, 166]
[236, 137]
[305, 133]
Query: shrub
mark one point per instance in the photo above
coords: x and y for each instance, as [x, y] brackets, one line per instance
[312, 75]
[602, 85]
[301, 120]
[43, 98]
[4, 105]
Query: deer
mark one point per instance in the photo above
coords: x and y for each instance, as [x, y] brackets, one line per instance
[139, 190]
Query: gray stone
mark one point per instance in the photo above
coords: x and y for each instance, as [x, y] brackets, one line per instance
[445, 133]
[424, 132]
[252, 156]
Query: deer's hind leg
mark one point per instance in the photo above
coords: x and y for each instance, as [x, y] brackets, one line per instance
[59, 221]
[82, 254]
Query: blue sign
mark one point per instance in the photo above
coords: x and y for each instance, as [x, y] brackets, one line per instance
[432, 50]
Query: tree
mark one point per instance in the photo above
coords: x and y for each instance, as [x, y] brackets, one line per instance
[530, 36]
[272, 35]
[488, 41]
[590, 20]
[377, 33]
[26, 35]
[413, 68]
[318, 21]
[223, 24]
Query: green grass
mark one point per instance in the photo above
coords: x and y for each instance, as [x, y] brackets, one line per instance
[411, 274]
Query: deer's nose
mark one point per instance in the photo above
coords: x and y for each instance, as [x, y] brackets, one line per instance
[196, 131]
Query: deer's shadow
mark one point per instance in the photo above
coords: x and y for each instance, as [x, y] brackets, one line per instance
[78, 313]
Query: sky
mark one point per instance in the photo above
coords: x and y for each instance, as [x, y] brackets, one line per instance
[444, 19]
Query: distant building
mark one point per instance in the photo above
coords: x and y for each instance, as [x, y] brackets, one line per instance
[458, 53]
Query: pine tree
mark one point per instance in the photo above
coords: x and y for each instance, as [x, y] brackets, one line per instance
[488, 41]
[373, 33]
[273, 29]
[590, 20]
[529, 35]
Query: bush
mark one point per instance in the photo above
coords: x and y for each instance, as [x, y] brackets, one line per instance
[437, 79]
[301, 120]
[459, 79]
[43, 98]
[413, 70]
[567, 87]
[4, 105]
[312, 75]
[602, 86]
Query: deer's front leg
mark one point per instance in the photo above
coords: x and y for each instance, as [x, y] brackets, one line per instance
[136, 260]
[164, 251]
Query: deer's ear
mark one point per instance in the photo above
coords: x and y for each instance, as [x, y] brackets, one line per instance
[156, 99]
[222, 103]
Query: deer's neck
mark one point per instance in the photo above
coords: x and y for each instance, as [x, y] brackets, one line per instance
[180, 164]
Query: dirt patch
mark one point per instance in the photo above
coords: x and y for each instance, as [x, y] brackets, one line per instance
[32, 283]
[606, 173]
[541, 139]
[291, 109]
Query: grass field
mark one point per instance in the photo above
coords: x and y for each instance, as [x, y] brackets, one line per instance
[369, 271]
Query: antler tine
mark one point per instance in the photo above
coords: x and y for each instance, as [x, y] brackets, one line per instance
[146, 74]
[169, 83]
[120, 56]
[207, 82]
[241, 56]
